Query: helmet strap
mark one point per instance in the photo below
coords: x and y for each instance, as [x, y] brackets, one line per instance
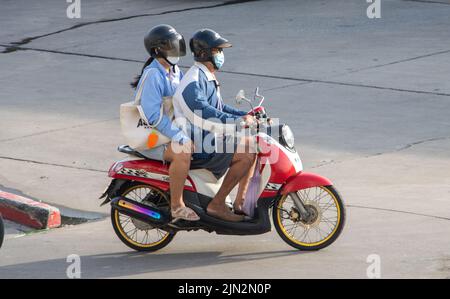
[171, 64]
[211, 59]
[160, 55]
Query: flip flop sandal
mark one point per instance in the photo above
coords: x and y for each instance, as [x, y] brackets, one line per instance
[219, 216]
[238, 211]
[184, 213]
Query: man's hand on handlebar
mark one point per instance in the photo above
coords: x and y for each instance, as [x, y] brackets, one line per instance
[249, 120]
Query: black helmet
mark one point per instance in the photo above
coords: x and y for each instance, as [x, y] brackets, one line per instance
[203, 41]
[164, 41]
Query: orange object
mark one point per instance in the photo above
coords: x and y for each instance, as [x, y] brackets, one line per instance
[152, 139]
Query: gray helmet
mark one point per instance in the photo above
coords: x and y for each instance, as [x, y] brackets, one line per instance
[164, 41]
[203, 41]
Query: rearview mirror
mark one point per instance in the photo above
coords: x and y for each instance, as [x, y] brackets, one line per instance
[240, 96]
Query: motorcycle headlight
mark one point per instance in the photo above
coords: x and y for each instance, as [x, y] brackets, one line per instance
[287, 136]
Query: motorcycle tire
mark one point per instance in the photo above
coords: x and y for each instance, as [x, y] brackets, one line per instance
[290, 238]
[121, 232]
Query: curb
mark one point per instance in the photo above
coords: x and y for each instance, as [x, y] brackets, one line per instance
[28, 212]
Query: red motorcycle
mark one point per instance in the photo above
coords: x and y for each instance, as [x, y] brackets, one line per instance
[306, 209]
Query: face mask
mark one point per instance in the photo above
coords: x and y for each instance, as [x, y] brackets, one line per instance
[173, 59]
[219, 59]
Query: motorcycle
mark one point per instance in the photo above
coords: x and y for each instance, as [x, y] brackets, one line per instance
[307, 211]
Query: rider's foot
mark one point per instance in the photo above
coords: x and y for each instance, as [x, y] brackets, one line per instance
[184, 213]
[222, 212]
[237, 208]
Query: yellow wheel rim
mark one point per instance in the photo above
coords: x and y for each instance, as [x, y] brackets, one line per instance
[326, 224]
[133, 230]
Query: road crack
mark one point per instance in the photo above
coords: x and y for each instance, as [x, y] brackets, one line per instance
[15, 45]
[399, 211]
[431, 2]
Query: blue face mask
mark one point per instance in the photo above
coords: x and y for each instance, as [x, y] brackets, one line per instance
[219, 59]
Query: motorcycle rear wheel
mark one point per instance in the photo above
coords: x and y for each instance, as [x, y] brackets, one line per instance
[327, 224]
[134, 233]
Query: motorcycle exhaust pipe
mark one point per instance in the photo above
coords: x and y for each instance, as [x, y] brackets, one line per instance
[148, 214]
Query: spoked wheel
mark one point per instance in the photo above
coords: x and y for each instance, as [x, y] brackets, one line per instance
[324, 224]
[135, 233]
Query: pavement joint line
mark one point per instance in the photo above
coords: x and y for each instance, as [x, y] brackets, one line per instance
[305, 80]
[401, 148]
[397, 61]
[57, 130]
[382, 87]
[398, 211]
[79, 25]
[409, 145]
[52, 164]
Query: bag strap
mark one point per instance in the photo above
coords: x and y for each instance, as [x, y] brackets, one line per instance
[137, 97]
[137, 102]
[141, 112]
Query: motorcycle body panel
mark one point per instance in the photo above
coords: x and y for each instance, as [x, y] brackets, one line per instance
[304, 180]
[152, 172]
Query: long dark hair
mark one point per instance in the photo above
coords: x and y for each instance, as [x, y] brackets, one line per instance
[135, 83]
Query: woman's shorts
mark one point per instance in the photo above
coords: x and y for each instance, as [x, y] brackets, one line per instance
[156, 153]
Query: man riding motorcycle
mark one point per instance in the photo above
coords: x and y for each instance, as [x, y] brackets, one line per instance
[198, 100]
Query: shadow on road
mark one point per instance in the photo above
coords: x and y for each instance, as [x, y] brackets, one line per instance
[126, 263]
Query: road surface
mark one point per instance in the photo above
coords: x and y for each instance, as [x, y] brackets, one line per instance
[368, 100]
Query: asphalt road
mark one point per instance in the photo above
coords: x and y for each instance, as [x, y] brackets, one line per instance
[368, 99]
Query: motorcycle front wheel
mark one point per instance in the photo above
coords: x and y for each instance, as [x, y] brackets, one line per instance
[323, 227]
[137, 234]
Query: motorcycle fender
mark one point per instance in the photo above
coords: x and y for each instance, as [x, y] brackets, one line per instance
[111, 190]
[304, 180]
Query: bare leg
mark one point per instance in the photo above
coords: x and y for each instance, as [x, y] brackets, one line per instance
[241, 164]
[243, 186]
[239, 167]
[178, 172]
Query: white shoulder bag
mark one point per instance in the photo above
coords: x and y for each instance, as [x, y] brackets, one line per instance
[135, 126]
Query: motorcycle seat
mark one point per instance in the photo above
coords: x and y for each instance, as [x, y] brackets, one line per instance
[126, 149]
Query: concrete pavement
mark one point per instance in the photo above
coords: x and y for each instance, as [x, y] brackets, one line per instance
[368, 100]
